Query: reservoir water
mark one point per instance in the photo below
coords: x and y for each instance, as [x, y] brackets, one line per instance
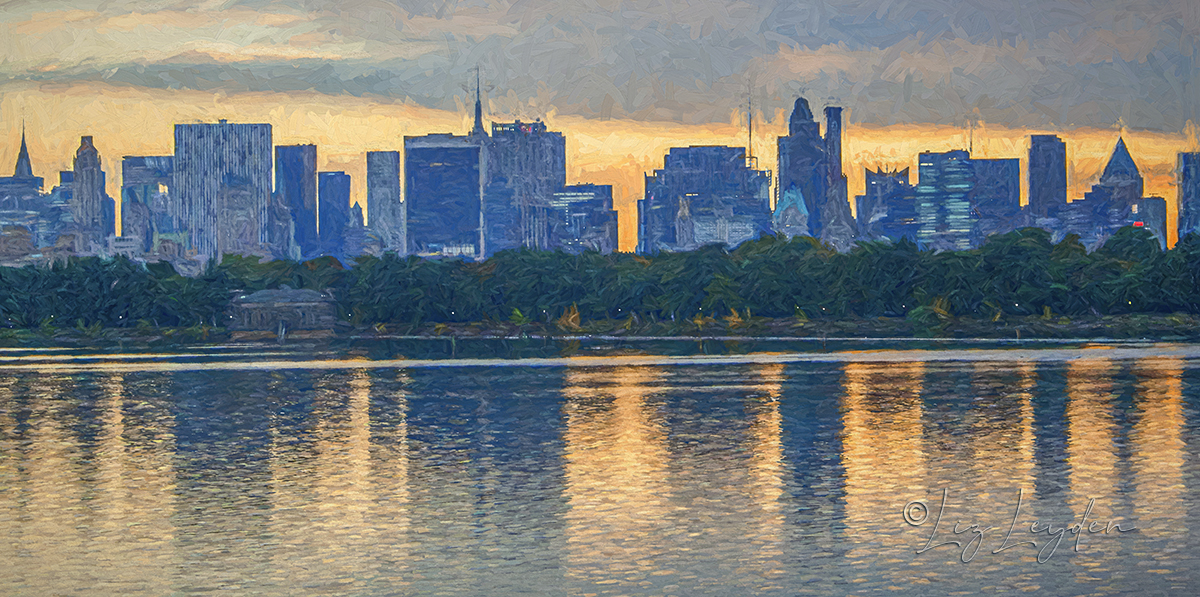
[280, 471]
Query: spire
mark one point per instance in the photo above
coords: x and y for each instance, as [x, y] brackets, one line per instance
[24, 169]
[478, 129]
[1120, 165]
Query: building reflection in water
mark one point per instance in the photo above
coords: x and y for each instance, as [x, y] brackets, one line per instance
[1158, 452]
[1001, 444]
[616, 462]
[1092, 458]
[328, 514]
[883, 455]
[767, 468]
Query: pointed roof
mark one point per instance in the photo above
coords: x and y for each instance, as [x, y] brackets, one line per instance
[24, 168]
[1120, 165]
[478, 128]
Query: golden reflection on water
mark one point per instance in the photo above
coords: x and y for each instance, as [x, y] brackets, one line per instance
[323, 494]
[883, 452]
[767, 485]
[617, 489]
[1091, 455]
[1158, 449]
[135, 497]
[51, 552]
[1001, 442]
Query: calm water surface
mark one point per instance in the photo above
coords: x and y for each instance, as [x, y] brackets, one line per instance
[274, 473]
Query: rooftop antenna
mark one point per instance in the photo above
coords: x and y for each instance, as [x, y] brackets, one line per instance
[750, 129]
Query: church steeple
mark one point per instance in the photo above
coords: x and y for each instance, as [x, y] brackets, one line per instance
[478, 129]
[24, 168]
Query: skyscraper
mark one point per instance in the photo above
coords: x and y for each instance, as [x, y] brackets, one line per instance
[996, 199]
[444, 177]
[296, 187]
[1047, 175]
[945, 220]
[526, 166]
[385, 212]
[582, 218]
[333, 211]
[22, 189]
[89, 203]
[887, 209]
[1188, 171]
[703, 195]
[1110, 204]
[810, 171]
[222, 188]
[145, 191]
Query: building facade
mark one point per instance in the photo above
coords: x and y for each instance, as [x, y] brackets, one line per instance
[1047, 175]
[1188, 171]
[703, 195]
[222, 188]
[945, 218]
[812, 186]
[385, 212]
[296, 189]
[582, 218]
[887, 209]
[93, 212]
[444, 180]
[526, 166]
[333, 212]
[145, 193]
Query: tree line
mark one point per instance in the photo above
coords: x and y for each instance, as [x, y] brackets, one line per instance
[1020, 273]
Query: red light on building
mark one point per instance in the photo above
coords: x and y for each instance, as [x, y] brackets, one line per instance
[1138, 224]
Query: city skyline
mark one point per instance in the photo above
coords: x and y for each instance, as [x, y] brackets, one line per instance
[624, 83]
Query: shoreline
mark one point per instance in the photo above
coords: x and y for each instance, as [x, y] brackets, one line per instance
[1177, 327]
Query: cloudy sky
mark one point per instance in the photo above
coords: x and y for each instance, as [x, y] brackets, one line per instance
[623, 79]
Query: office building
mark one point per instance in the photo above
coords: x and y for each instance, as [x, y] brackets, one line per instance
[810, 174]
[703, 195]
[296, 188]
[444, 178]
[1188, 171]
[222, 189]
[887, 209]
[945, 219]
[1047, 175]
[582, 218]
[385, 211]
[333, 212]
[93, 212]
[526, 166]
[145, 192]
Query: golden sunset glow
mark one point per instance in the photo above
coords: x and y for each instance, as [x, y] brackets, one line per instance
[1159, 450]
[128, 120]
[616, 474]
[1091, 451]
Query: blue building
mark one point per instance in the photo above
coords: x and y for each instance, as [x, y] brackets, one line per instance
[526, 166]
[296, 188]
[1047, 175]
[145, 193]
[996, 199]
[812, 187]
[887, 209]
[945, 218]
[703, 195]
[385, 211]
[333, 211]
[582, 218]
[222, 189]
[444, 179]
[1188, 171]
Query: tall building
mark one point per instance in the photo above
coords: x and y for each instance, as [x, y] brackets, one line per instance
[1188, 171]
[996, 199]
[1151, 213]
[887, 209]
[1047, 175]
[812, 187]
[945, 219]
[92, 210]
[385, 212]
[1110, 204]
[22, 190]
[526, 166]
[703, 195]
[296, 187]
[222, 188]
[145, 192]
[582, 218]
[333, 212]
[444, 179]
